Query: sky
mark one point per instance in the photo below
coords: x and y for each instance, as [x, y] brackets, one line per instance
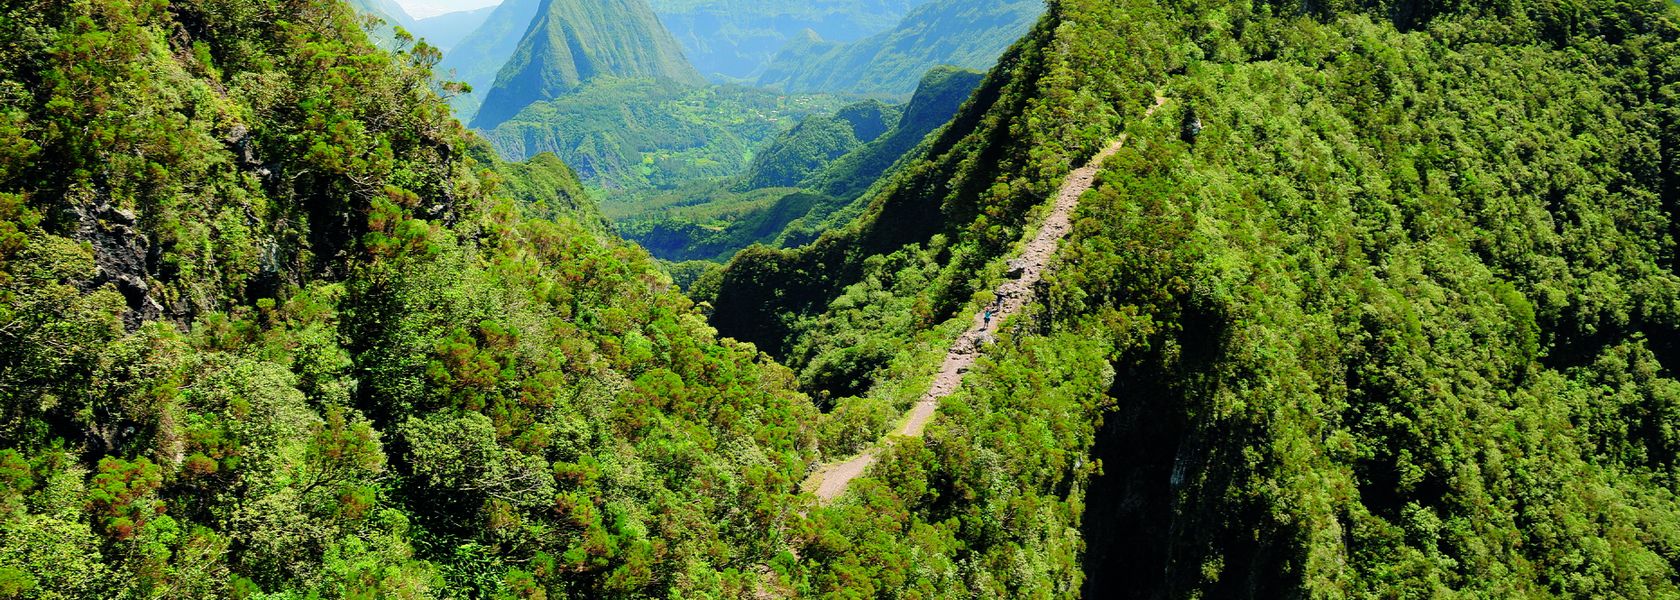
[421, 9]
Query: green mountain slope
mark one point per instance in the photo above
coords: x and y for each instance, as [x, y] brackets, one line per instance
[938, 96]
[635, 134]
[799, 186]
[478, 57]
[447, 30]
[1380, 304]
[269, 329]
[573, 41]
[965, 33]
[733, 40]
[815, 141]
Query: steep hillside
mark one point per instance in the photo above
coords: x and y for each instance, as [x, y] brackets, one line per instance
[965, 33]
[477, 58]
[938, 96]
[635, 134]
[804, 182]
[385, 10]
[269, 329]
[733, 40]
[390, 15]
[1381, 304]
[815, 141]
[447, 30]
[573, 41]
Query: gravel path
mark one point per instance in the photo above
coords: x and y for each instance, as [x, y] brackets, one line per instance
[1013, 294]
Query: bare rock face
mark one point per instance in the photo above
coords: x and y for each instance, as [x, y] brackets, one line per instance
[121, 253]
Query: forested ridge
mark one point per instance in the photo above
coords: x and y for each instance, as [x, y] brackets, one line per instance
[1382, 303]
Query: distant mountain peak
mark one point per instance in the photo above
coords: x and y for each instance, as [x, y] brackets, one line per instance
[573, 41]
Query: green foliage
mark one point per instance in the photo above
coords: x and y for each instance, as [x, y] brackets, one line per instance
[546, 188]
[634, 134]
[808, 146]
[1390, 320]
[712, 220]
[275, 325]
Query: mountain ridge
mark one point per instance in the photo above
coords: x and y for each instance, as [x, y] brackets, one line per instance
[963, 33]
[573, 41]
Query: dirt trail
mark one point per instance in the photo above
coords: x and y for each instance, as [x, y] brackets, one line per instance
[1024, 272]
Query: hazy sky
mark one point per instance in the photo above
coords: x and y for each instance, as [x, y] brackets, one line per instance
[421, 9]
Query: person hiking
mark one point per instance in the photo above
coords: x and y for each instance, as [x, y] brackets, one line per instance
[987, 316]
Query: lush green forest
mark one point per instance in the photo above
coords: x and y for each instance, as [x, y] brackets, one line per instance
[1383, 302]
[635, 134]
[275, 326]
[805, 181]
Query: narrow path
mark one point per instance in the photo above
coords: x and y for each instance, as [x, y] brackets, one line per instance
[1012, 295]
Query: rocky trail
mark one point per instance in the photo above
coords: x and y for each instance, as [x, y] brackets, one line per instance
[1012, 295]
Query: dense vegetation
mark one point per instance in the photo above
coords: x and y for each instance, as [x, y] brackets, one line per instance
[267, 329]
[804, 182]
[966, 33]
[630, 134]
[1382, 304]
[819, 139]
[571, 42]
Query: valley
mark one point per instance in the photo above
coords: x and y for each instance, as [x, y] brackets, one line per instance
[839, 299]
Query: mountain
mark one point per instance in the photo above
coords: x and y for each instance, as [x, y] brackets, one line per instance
[388, 10]
[966, 33]
[732, 40]
[446, 30]
[816, 141]
[478, 57]
[573, 41]
[1380, 302]
[1374, 299]
[636, 134]
[804, 181]
[938, 96]
[391, 16]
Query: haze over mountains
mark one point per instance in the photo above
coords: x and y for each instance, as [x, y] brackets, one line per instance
[446, 30]
[733, 40]
[611, 90]
[738, 40]
[964, 33]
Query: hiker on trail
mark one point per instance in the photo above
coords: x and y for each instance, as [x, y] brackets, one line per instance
[987, 316]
